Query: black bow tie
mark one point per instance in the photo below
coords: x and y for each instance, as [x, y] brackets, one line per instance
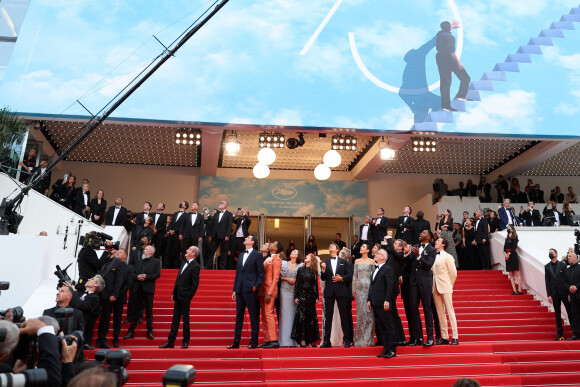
[332, 257]
[117, 208]
[424, 244]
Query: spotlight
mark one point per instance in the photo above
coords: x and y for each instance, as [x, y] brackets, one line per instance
[231, 144]
[343, 142]
[293, 143]
[271, 140]
[386, 153]
[424, 145]
[187, 136]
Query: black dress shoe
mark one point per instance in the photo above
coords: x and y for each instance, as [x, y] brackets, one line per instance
[348, 344]
[167, 345]
[89, 347]
[252, 346]
[454, 342]
[428, 343]
[573, 338]
[313, 345]
[442, 342]
[415, 343]
[150, 335]
[130, 335]
[378, 344]
[116, 343]
[326, 344]
[401, 343]
[390, 354]
[303, 346]
[233, 346]
[126, 321]
[184, 345]
[271, 344]
[103, 345]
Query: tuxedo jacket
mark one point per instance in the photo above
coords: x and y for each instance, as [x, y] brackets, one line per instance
[380, 229]
[272, 267]
[369, 234]
[89, 306]
[551, 215]
[532, 219]
[79, 203]
[405, 229]
[128, 277]
[191, 229]
[418, 227]
[572, 277]
[161, 224]
[139, 232]
[245, 225]
[140, 218]
[503, 218]
[176, 224]
[382, 287]
[44, 184]
[224, 228]
[121, 216]
[482, 230]
[151, 267]
[112, 270]
[78, 319]
[249, 275]
[444, 273]
[187, 282]
[555, 280]
[421, 268]
[395, 259]
[338, 289]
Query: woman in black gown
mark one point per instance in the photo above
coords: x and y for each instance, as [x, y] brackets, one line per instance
[305, 329]
[469, 253]
[98, 207]
[512, 263]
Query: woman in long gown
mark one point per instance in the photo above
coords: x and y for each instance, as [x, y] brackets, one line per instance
[287, 304]
[365, 322]
[469, 253]
[305, 328]
[512, 263]
[98, 207]
[445, 227]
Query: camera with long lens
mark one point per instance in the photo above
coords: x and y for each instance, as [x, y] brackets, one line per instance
[28, 378]
[17, 315]
[116, 361]
[62, 276]
[95, 240]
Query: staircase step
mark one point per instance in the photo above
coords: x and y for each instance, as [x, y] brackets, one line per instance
[573, 17]
[507, 66]
[552, 33]
[541, 41]
[494, 76]
[563, 25]
[519, 58]
[473, 95]
[425, 127]
[575, 11]
[530, 49]
[440, 116]
[481, 85]
[458, 105]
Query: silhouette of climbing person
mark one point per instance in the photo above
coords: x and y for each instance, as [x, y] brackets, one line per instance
[414, 89]
[447, 63]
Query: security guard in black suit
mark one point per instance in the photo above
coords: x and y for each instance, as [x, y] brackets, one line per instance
[556, 289]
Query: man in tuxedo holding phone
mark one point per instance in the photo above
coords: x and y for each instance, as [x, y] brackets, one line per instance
[185, 287]
[247, 282]
[337, 274]
[222, 229]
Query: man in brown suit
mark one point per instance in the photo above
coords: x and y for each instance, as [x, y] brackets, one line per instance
[268, 293]
[444, 276]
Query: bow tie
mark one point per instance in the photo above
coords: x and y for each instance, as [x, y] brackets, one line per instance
[117, 208]
[146, 213]
[332, 257]
[181, 211]
[194, 213]
[424, 244]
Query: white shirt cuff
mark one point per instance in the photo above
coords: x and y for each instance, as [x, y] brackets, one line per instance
[46, 329]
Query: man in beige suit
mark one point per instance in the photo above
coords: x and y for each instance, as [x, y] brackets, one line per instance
[444, 276]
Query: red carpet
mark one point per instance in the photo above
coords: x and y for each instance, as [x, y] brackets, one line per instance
[505, 340]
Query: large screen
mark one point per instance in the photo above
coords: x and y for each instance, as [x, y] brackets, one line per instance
[361, 64]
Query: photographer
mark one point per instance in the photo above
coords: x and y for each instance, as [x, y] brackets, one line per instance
[112, 270]
[88, 303]
[88, 266]
[63, 299]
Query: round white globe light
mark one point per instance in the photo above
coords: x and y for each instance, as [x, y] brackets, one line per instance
[322, 172]
[266, 156]
[332, 159]
[261, 171]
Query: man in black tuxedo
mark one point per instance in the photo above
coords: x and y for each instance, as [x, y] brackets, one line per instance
[242, 223]
[355, 249]
[396, 261]
[572, 281]
[481, 238]
[405, 226]
[380, 225]
[82, 201]
[147, 271]
[186, 285]
[192, 228]
[557, 290]
[247, 282]
[171, 259]
[422, 258]
[557, 195]
[220, 236]
[537, 194]
[63, 299]
[160, 222]
[419, 226]
[112, 270]
[128, 274]
[531, 216]
[337, 274]
[88, 303]
[117, 214]
[208, 254]
[552, 217]
[140, 217]
[366, 232]
[380, 300]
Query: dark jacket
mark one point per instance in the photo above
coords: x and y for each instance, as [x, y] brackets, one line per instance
[151, 267]
[555, 280]
[339, 289]
[382, 287]
[187, 282]
[224, 228]
[249, 275]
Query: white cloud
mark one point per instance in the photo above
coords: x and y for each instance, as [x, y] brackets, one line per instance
[514, 111]
[567, 109]
[380, 39]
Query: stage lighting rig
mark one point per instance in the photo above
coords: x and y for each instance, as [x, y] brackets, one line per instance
[188, 137]
[386, 152]
[231, 144]
[423, 144]
[343, 142]
[272, 140]
[293, 143]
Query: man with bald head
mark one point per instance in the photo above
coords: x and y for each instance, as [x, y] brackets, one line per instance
[220, 236]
